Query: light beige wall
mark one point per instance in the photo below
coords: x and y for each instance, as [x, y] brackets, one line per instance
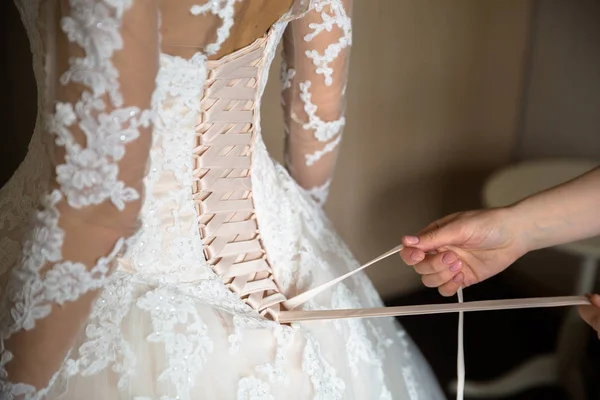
[433, 103]
[562, 102]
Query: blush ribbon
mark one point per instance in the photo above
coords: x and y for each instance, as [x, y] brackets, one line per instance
[488, 305]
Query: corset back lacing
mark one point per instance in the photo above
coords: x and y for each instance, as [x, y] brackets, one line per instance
[222, 192]
[223, 188]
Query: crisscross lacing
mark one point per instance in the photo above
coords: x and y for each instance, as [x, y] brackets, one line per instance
[223, 188]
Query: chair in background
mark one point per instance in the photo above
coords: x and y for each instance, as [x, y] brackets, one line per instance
[563, 367]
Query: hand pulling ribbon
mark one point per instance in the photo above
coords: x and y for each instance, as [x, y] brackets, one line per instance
[460, 307]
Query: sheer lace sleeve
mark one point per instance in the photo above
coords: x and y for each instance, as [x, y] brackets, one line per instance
[102, 61]
[314, 75]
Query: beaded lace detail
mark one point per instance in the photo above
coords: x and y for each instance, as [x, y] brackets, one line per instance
[163, 325]
[99, 145]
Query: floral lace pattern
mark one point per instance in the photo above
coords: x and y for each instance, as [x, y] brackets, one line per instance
[319, 193]
[337, 16]
[178, 326]
[105, 346]
[252, 388]
[164, 326]
[323, 131]
[321, 63]
[222, 9]
[92, 132]
[179, 86]
[322, 375]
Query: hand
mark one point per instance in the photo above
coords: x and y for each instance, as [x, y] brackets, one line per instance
[591, 314]
[466, 248]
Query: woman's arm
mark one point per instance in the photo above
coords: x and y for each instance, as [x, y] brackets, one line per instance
[314, 76]
[470, 247]
[562, 214]
[102, 66]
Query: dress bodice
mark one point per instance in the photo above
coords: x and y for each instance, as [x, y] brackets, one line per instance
[200, 180]
[217, 215]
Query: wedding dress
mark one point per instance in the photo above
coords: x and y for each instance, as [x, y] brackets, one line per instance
[184, 304]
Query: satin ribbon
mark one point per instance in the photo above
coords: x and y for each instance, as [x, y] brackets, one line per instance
[460, 356]
[460, 307]
[294, 302]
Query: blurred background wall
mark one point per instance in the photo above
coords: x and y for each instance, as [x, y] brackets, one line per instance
[433, 104]
[560, 114]
[562, 90]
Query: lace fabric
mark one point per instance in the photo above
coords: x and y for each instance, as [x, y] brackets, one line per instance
[164, 325]
[314, 76]
[98, 129]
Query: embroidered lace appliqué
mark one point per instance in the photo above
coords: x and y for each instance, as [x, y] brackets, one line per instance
[93, 132]
[313, 76]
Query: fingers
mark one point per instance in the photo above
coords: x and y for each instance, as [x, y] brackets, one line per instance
[436, 235]
[438, 279]
[591, 314]
[412, 256]
[426, 264]
[595, 300]
[451, 287]
[439, 264]
[441, 270]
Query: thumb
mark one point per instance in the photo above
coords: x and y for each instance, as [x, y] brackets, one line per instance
[594, 299]
[435, 237]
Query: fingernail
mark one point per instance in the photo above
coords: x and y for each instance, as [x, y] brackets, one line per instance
[458, 278]
[456, 266]
[449, 258]
[416, 256]
[411, 239]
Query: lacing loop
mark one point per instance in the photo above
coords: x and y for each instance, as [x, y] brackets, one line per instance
[222, 189]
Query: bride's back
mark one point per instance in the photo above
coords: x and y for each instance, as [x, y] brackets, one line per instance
[184, 33]
[137, 138]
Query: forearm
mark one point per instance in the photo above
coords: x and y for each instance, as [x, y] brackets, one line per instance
[562, 214]
[99, 133]
[315, 74]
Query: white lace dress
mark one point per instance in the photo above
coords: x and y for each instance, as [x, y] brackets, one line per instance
[181, 305]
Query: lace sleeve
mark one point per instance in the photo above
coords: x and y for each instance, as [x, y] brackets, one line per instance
[102, 61]
[314, 75]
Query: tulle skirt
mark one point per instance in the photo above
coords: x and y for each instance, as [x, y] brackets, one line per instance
[152, 338]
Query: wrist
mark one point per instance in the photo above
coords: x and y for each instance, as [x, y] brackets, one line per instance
[522, 227]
